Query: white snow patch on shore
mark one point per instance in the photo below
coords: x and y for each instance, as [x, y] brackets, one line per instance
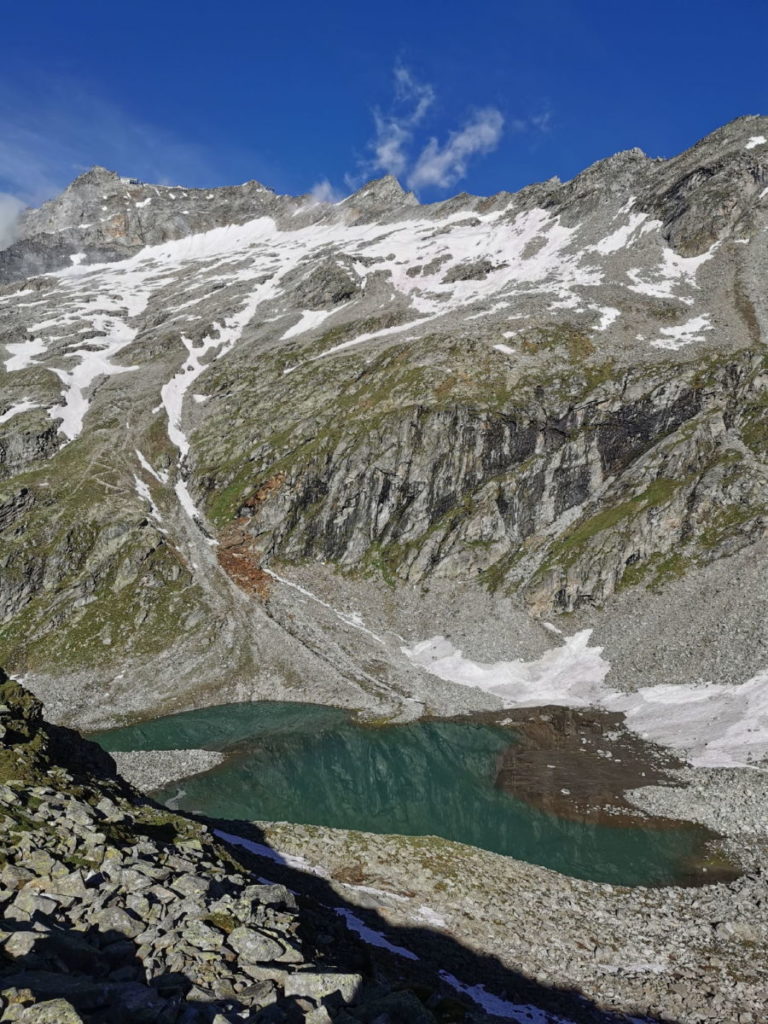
[369, 935]
[712, 725]
[430, 917]
[372, 891]
[504, 349]
[716, 726]
[571, 675]
[299, 863]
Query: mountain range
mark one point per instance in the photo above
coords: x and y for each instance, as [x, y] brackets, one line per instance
[255, 445]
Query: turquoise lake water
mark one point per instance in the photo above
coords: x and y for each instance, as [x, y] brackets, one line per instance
[311, 764]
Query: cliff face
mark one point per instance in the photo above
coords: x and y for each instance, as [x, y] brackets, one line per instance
[560, 499]
[556, 396]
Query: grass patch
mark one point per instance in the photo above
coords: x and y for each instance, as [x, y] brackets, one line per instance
[727, 522]
[567, 549]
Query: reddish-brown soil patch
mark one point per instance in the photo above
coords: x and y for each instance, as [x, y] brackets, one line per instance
[237, 552]
[240, 560]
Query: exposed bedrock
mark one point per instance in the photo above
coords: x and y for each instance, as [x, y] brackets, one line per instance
[525, 497]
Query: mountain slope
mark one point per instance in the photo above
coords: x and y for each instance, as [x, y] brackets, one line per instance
[543, 403]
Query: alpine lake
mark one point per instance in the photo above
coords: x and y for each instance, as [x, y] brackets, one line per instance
[488, 781]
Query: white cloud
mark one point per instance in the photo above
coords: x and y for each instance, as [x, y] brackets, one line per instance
[324, 192]
[394, 131]
[10, 208]
[409, 90]
[397, 150]
[537, 122]
[444, 165]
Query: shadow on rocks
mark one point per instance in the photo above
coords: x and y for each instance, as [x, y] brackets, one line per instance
[63, 976]
[343, 963]
[407, 974]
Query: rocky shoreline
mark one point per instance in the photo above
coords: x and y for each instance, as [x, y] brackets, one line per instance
[732, 801]
[148, 770]
[639, 950]
[688, 954]
[116, 909]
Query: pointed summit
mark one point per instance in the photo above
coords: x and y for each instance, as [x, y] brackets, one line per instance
[382, 192]
[94, 176]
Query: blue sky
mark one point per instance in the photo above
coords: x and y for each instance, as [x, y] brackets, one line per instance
[451, 96]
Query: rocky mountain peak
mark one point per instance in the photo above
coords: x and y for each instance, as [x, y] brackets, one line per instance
[94, 176]
[382, 192]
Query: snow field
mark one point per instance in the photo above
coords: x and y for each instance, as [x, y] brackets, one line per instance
[711, 725]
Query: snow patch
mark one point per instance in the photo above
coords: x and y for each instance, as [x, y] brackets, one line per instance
[430, 917]
[608, 316]
[712, 725]
[145, 494]
[188, 505]
[16, 410]
[24, 353]
[308, 320]
[520, 1013]
[756, 140]
[274, 855]
[159, 475]
[77, 381]
[674, 270]
[370, 936]
[622, 236]
[717, 726]
[571, 675]
[684, 334]
[353, 619]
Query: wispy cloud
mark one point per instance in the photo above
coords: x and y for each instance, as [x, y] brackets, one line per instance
[10, 208]
[394, 131]
[535, 123]
[324, 192]
[75, 129]
[444, 165]
[396, 148]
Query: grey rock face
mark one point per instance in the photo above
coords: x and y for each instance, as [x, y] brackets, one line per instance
[458, 491]
[106, 217]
